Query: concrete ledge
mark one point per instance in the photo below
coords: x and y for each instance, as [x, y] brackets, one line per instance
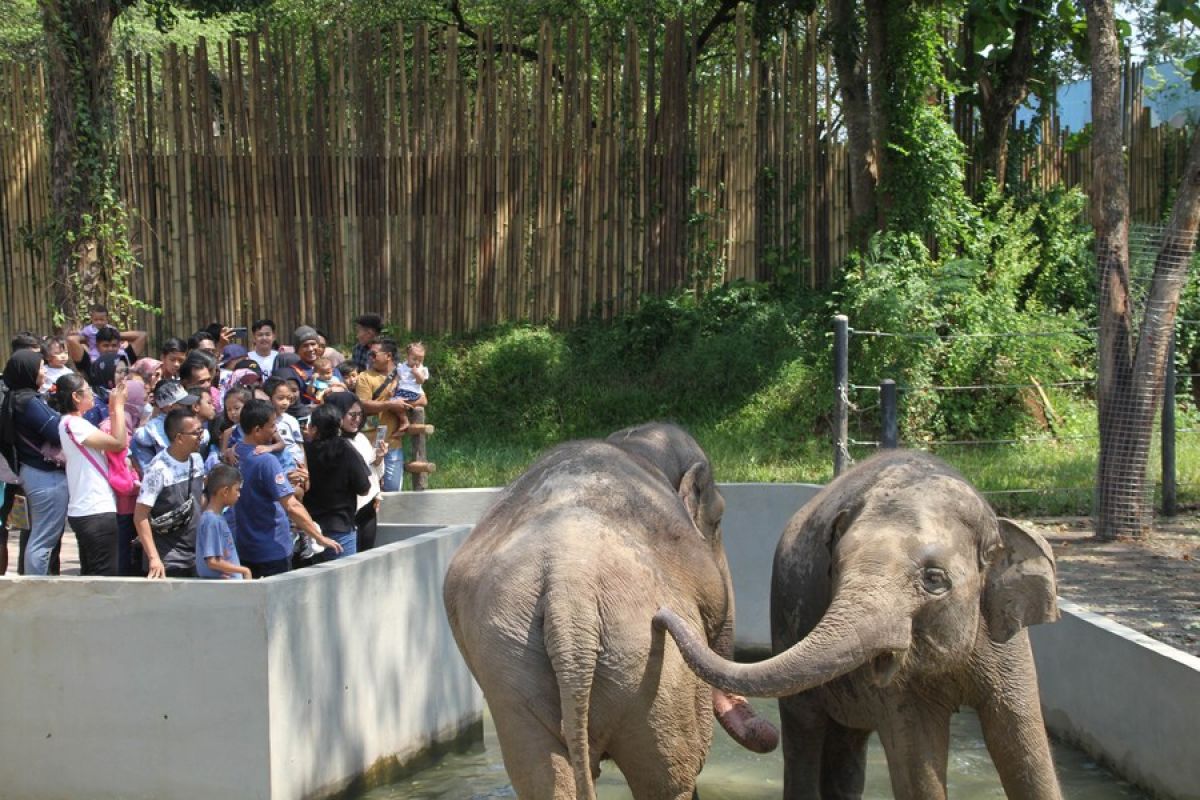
[1128, 701]
[292, 687]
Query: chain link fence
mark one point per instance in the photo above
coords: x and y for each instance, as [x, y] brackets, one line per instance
[1053, 465]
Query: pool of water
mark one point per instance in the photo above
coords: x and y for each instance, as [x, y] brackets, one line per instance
[736, 774]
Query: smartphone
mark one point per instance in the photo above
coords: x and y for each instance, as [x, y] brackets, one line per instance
[381, 435]
[239, 333]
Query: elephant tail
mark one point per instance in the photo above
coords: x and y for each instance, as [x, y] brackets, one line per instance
[570, 628]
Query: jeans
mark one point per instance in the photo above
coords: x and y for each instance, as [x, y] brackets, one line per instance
[348, 541]
[97, 535]
[393, 470]
[46, 494]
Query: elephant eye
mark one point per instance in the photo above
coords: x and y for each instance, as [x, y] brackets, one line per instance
[935, 580]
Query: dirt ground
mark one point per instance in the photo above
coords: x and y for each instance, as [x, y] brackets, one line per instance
[1151, 585]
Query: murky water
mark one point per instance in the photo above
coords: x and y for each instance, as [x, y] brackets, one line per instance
[736, 774]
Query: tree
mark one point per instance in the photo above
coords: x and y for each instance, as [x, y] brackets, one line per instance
[1131, 363]
[89, 240]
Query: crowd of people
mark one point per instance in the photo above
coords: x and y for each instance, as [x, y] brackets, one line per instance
[230, 455]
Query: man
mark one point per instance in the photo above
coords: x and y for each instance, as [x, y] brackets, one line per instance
[108, 340]
[376, 393]
[197, 370]
[172, 354]
[170, 495]
[366, 332]
[264, 351]
[308, 346]
[151, 439]
[261, 532]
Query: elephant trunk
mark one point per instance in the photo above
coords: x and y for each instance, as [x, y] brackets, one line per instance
[844, 639]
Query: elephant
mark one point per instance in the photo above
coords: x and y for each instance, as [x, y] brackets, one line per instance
[551, 598]
[897, 596]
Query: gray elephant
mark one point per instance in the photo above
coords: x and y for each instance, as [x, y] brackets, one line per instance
[898, 596]
[550, 600]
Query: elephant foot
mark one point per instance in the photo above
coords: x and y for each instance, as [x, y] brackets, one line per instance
[740, 722]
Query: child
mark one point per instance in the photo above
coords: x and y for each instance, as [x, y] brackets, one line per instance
[98, 318]
[413, 373]
[216, 553]
[58, 360]
[323, 379]
[350, 375]
[231, 432]
[288, 447]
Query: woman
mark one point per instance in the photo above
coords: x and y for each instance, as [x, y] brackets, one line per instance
[92, 507]
[366, 519]
[332, 498]
[41, 464]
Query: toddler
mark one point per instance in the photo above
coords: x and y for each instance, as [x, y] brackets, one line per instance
[324, 379]
[58, 361]
[413, 373]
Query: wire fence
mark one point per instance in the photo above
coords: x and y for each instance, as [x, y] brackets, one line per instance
[1050, 463]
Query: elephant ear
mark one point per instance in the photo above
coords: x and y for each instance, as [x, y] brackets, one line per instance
[1020, 588]
[697, 491]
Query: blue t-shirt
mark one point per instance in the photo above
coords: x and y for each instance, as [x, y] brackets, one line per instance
[261, 529]
[215, 539]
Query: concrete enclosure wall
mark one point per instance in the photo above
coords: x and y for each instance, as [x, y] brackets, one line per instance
[1128, 700]
[288, 687]
[295, 686]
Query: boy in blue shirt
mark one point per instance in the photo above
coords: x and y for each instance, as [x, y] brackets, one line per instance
[267, 501]
[216, 552]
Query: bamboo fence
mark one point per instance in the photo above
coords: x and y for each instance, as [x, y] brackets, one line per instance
[312, 178]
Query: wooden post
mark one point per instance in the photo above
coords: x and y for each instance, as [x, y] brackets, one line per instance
[416, 465]
[841, 394]
[1167, 431]
[890, 437]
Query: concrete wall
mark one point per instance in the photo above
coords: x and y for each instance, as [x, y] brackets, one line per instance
[755, 515]
[284, 688]
[1122, 697]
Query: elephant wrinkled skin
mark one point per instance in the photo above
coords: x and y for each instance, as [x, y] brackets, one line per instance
[898, 596]
[551, 598]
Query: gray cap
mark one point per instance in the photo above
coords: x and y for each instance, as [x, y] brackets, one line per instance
[169, 393]
[305, 333]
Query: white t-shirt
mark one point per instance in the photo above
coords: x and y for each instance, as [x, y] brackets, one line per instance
[87, 483]
[367, 450]
[409, 383]
[266, 363]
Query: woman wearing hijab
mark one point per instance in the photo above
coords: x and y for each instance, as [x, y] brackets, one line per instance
[39, 453]
[366, 516]
[106, 372]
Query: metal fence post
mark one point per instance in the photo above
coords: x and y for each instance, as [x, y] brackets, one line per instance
[841, 394]
[1169, 494]
[890, 437]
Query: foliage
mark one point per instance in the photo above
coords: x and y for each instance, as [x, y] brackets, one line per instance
[956, 307]
[924, 176]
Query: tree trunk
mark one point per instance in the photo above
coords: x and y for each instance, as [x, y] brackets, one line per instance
[851, 64]
[83, 159]
[1130, 372]
[1000, 97]
[880, 83]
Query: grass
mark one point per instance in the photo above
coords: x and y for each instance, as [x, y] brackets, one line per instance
[1033, 478]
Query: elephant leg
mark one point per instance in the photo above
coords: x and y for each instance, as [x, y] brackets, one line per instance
[843, 762]
[916, 738]
[1011, 718]
[802, 724]
[535, 758]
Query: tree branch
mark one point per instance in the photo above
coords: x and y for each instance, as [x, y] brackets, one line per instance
[529, 54]
[726, 13]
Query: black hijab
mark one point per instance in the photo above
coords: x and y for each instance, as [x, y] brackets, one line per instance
[103, 374]
[21, 376]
